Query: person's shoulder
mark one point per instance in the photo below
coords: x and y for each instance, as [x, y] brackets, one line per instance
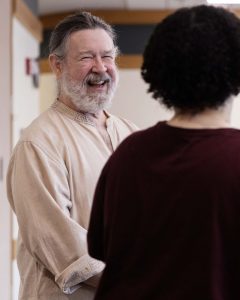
[234, 133]
[231, 138]
[42, 135]
[44, 132]
[130, 154]
[139, 140]
[44, 126]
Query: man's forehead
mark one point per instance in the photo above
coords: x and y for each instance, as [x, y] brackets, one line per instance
[88, 35]
[88, 40]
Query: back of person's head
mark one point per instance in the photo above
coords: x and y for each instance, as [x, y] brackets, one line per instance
[192, 60]
[73, 23]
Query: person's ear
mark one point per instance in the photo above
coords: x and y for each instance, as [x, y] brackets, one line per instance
[55, 64]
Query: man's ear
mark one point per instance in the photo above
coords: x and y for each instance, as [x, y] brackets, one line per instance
[55, 64]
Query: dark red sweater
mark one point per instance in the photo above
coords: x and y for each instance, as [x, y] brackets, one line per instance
[166, 216]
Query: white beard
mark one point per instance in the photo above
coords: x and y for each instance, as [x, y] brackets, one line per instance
[83, 100]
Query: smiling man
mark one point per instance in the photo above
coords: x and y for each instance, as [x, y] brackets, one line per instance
[55, 165]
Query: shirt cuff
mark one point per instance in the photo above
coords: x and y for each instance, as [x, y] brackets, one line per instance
[82, 269]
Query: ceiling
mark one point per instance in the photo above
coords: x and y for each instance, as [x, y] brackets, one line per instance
[57, 6]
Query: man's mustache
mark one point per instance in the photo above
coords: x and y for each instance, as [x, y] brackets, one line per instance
[97, 78]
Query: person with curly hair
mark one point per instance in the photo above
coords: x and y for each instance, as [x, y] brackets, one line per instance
[165, 217]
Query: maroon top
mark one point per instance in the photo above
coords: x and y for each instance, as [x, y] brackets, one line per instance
[166, 216]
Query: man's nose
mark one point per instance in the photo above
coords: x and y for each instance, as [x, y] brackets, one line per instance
[99, 65]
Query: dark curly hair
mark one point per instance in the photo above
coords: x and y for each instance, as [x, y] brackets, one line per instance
[192, 60]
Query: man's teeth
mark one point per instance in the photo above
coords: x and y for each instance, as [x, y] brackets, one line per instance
[97, 82]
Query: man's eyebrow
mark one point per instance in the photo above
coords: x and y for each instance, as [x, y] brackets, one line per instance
[93, 53]
[85, 52]
[109, 51]
[80, 54]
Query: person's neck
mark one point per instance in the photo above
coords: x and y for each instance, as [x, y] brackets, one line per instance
[97, 118]
[209, 118]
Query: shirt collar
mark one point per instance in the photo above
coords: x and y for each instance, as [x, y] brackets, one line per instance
[79, 117]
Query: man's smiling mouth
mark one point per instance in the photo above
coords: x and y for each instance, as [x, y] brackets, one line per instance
[98, 82]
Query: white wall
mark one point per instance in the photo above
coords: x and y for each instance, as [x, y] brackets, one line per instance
[47, 90]
[25, 104]
[235, 117]
[134, 103]
[25, 95]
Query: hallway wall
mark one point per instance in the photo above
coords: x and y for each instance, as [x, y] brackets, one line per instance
[25, 103]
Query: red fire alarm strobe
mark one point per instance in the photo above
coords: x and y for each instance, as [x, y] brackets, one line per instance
[32, 69]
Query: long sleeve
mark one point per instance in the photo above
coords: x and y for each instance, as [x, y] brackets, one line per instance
[39, 193]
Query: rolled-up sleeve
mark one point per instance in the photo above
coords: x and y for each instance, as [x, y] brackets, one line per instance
[38, 191]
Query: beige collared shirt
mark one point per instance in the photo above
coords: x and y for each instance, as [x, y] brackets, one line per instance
[51, 180]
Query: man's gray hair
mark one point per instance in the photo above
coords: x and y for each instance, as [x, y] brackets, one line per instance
[73, 23]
